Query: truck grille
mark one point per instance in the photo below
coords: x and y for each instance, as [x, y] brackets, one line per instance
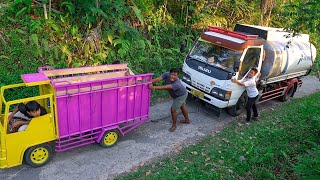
[201, 86]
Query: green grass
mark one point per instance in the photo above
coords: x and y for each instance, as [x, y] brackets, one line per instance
[283, 144]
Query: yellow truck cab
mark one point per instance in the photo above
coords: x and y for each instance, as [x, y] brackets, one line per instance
[84, 105]
[32, 145]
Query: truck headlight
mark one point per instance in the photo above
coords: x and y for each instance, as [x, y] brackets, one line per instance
[220, 94]
[214, 92]
[186, 78]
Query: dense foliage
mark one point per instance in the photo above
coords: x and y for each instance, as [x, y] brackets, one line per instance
[144, 33]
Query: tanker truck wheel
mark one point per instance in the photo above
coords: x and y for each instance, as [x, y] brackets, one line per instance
[39, 155]
[237, 109]
[288, 94]
[109, 138]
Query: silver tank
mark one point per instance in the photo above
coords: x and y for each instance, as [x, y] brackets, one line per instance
[282, 58]
[283, 53]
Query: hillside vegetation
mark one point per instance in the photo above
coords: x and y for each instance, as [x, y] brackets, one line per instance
[146, 34]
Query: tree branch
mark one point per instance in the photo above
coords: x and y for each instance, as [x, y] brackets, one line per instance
[53, 10]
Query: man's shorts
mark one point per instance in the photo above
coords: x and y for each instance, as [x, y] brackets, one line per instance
[178, 101]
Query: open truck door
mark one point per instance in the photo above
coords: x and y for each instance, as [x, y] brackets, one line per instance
[251, 57]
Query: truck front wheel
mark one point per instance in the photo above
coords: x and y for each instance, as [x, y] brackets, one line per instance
[237, 109]
[39, 155]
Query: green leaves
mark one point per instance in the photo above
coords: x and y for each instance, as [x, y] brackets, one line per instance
[303, 15]
[34, 39]
[22, 12]
[138, 13]
[123, 45]
[70, 6]
[34, 25]
[4, 57]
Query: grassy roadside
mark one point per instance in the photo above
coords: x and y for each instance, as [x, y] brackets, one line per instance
[283, 144]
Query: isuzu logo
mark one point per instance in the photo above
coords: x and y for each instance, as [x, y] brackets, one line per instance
[204, 69]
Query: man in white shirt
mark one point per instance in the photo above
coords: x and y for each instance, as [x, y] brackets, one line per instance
[252, 91]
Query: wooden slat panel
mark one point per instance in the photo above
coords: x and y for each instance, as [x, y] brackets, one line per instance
[60, 72]
[87, 78]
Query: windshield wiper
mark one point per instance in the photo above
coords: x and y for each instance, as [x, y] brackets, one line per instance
[197, 59]
[219, 68]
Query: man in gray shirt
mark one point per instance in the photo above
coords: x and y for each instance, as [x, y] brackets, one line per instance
[177, 91]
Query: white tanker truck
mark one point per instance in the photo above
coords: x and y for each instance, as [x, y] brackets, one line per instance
[219, 55]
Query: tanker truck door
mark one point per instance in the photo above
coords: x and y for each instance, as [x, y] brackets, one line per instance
[252, 57]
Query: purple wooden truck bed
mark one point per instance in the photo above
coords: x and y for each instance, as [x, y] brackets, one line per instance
[91, 101]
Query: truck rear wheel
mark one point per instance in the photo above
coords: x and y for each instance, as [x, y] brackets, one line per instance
[237, 109]
[288, 93]
[109, 138]
[39, 155]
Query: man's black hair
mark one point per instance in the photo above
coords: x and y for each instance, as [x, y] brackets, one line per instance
[116, 62]
[175, 70]
[255, 70]
[32, 106]
[22, 108]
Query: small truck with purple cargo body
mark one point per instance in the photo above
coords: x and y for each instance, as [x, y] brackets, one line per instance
[83, 105]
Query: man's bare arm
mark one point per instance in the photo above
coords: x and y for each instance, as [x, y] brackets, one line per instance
[10, 117]
[237, 82]
[166, 87]
[156, 80]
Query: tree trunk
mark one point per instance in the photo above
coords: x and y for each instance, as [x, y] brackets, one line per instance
[268, 18]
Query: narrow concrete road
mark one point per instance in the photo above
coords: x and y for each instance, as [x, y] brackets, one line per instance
[150, 141]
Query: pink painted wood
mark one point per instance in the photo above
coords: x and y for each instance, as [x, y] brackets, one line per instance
[87, 109]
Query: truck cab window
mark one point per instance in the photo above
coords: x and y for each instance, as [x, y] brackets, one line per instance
[250, 60]
[20, 117]
[214, 55]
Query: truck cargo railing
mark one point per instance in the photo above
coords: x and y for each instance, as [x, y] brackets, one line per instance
[52, 73]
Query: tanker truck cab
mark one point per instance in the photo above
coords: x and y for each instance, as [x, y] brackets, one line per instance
[217, 57]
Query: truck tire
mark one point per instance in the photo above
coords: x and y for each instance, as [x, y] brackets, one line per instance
[237, 109]
[109, 138]
[288, 93]
[38, 155]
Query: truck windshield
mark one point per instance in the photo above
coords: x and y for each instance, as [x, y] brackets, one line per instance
[214, 55]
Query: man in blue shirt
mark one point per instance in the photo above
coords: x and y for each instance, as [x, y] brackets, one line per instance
[177, 91]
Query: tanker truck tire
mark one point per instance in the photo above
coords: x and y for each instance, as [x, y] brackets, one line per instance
[39, 155]
[288, 94]
[237, 109]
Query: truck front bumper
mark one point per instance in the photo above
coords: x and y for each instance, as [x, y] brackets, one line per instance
[206, 97]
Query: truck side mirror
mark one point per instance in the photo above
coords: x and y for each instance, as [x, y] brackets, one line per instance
[236, 66]
[183, 46]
